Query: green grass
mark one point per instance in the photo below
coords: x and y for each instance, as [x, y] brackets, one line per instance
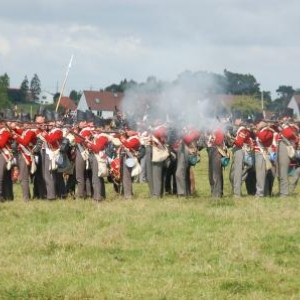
[195, 248]
[30, 108]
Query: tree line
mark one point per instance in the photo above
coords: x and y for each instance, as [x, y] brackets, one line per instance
[25, 93]
[244, 86]
[28, 92]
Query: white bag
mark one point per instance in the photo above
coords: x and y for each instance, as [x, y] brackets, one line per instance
[33, 166]
[103, 170]
[137, 169]
[53, 155]
[290, 151]
[160, 153]
[268, 162]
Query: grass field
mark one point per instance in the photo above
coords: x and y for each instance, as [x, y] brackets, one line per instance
[30, 108]
[195, 248]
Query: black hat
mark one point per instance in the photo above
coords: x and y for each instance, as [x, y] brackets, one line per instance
[237, 115]
[57, 116]
[274, 117]
[25, 117]
[98, 122]
[288, 112]
[249, 120]
[40, 111]
[258, 117]
[49, 116]
[68, 120]
[80, 116]
[9, 114]
[90, 117]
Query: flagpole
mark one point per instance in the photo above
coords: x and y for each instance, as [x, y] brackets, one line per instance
[64, 83]
[262, 100]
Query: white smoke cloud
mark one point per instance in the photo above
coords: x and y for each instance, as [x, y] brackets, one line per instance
[187, 101]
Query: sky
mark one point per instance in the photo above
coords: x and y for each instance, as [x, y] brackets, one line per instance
[115, 40]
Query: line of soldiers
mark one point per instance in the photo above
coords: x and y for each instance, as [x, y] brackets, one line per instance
[63, 155]
[261, 151]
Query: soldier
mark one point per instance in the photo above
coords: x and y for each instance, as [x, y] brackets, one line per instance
[89, 135]
[6, 157]
[143, 136]
[296, 174]
[26, 139]
[82, 164]
[287, 143]
[243, 159]
[99, 165]
[62, 159]
[263, 166]
[187, 156]
[39, 185]
[113, 155]
[129, 152]
[52, 139]
[156, 154]
[173, 142]
[68, 152]
[216, 150]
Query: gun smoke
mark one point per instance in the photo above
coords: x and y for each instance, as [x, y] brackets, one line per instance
[188, 101]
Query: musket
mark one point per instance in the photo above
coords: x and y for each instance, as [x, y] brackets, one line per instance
[84, 139]
[8, 128]
[120, 182]
[11, 131]
[64, 83]
[120, 132]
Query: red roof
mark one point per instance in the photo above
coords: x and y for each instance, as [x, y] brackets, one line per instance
[101, 100]
[67, 103]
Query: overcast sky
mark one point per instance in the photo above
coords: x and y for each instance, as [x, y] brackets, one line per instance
[133, 39]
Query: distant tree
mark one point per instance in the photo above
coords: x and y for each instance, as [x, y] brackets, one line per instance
[121, 87]
[114, 88]
[277, 105]
[240, 84]
[55, 97]
[267, 99]
[128, 84]
[202, 82]
[24, 88]
[35, 87]
[14, 95]
[6, 80]
[247, 105]
[297, 92]
[285, 91]
[220, 83]
[75, 96]
[4, 85]
[267, 96]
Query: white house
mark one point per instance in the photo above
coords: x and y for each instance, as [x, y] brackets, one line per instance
[101, 103]
[295, 105]
[45, 98]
